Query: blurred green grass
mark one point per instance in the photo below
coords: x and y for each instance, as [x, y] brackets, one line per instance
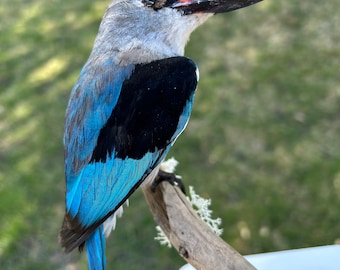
[263, 141]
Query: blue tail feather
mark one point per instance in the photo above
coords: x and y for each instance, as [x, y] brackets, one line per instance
[95, 248]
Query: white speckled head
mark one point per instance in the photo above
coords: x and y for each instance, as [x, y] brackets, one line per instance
[135, 33]
[141, 31]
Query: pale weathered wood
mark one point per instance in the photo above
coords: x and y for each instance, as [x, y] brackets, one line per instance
[188, 234]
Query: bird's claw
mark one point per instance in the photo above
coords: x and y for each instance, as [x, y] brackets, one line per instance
[169, 177]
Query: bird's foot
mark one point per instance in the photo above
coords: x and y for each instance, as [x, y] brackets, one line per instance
[169, 177]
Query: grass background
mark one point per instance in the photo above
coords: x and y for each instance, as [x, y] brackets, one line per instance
[263, 141]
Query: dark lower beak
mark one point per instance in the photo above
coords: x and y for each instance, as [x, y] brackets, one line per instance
[211, 6]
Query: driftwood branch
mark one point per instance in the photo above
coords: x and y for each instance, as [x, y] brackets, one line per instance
[188, 234]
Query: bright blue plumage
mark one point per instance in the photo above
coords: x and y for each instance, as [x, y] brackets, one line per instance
[95, 247]
[91, 103]
[107, 186]
[99, 177]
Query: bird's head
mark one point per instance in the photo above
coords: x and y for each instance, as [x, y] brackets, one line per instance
[137, 31]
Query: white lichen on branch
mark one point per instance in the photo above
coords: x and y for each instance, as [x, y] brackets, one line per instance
[162, 238]
[199, 204]
[169, 165]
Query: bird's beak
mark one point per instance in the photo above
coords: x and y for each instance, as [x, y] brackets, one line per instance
[210, 6]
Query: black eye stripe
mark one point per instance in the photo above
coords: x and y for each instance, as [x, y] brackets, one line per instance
[155, 4]
[158, 4]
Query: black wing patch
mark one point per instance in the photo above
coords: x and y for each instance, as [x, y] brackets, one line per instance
[148, 109]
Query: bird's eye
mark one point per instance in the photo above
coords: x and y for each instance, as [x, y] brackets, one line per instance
[155, 4]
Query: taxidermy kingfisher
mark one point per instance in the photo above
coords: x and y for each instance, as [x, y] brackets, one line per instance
[132, 100]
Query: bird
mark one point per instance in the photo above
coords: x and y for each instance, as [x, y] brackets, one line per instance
[132, 99]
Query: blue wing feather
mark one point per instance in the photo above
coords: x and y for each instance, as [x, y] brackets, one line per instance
[98, 197]
[88, 111]
[102, 104]
[91, 103]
